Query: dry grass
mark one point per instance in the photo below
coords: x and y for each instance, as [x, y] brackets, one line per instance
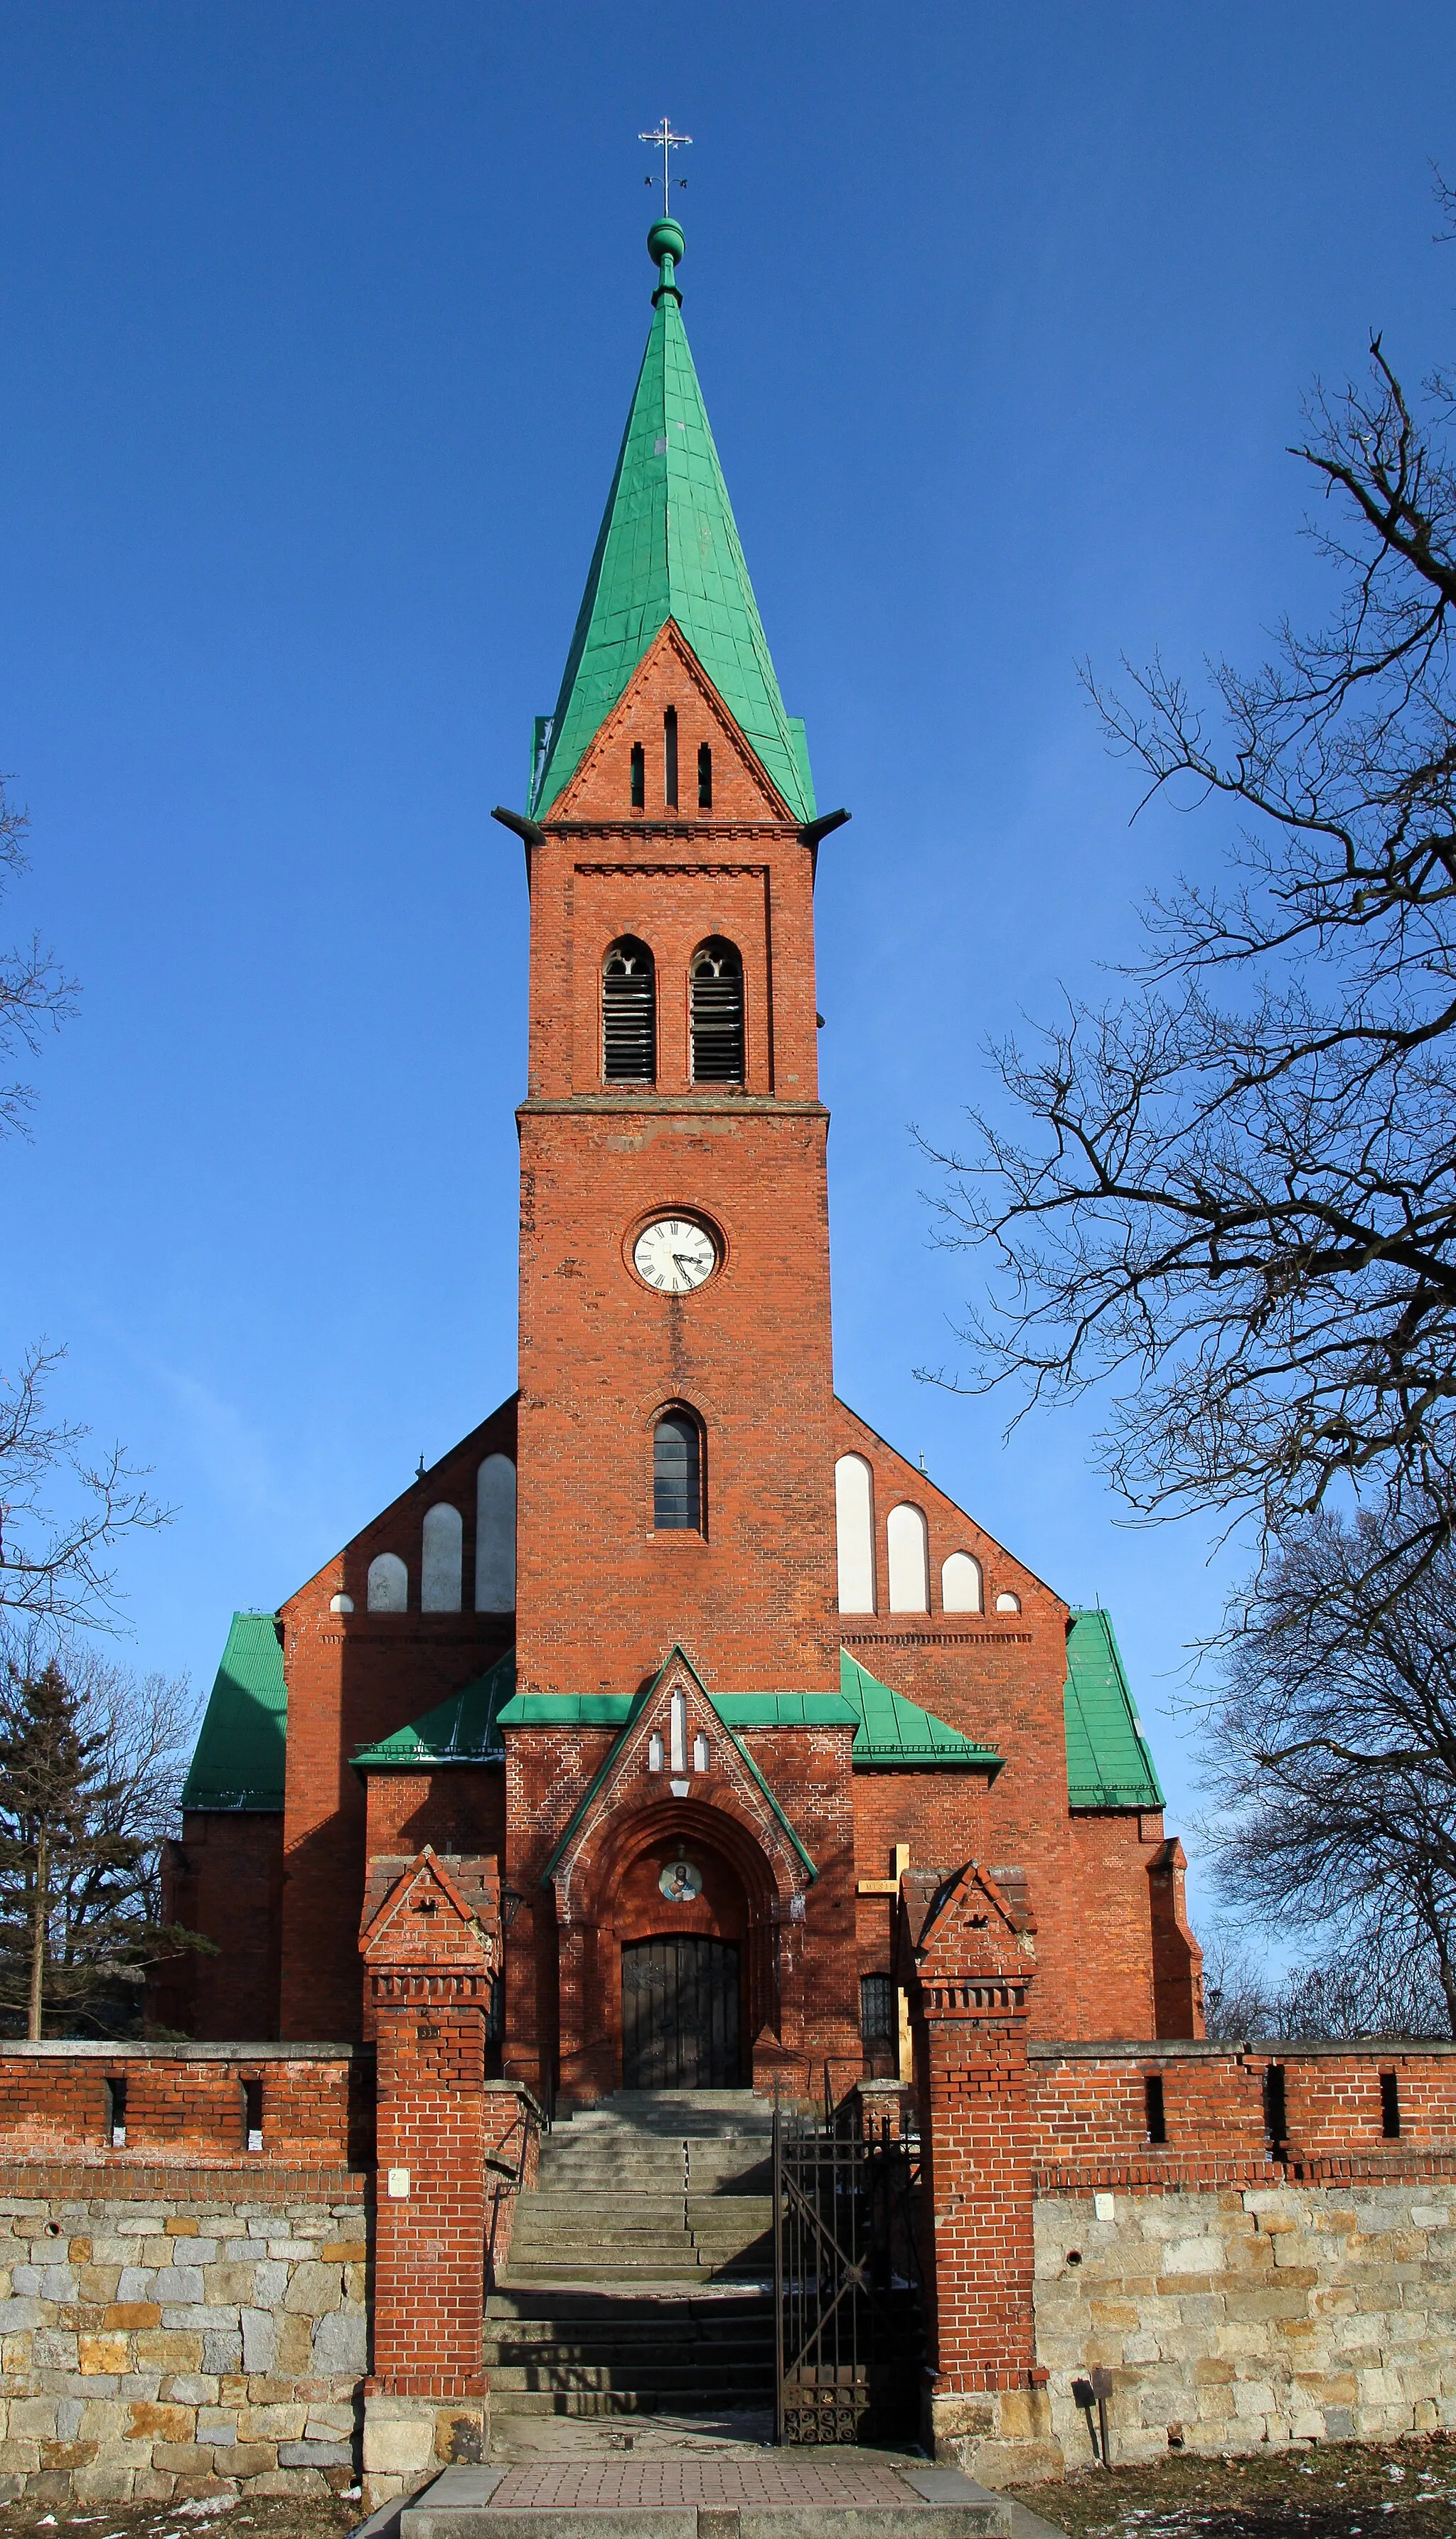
[1329, 2491]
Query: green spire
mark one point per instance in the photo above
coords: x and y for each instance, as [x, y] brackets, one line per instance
[669, 547]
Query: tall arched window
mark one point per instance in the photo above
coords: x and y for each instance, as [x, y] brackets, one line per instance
[717, 986]
[908, 1544]
[495, 1536]
[629, 1014]
[854, 1512]
[677, 1473]
[440, 1560]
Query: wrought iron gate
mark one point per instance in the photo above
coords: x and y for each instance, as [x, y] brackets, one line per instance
[849, 2332]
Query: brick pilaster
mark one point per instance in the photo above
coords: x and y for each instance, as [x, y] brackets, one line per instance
[970, 1945]
[428, 1961]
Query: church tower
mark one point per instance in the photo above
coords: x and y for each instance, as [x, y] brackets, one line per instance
[676, 1454]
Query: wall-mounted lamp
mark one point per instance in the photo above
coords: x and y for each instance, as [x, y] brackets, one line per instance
[512, 1901]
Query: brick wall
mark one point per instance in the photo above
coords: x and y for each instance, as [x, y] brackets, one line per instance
[999, 1678]
[224, 1879]
[353, 1679]
[1090, 2106]
[187, 2102]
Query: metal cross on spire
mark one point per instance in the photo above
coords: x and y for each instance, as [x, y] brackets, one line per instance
[665, 140]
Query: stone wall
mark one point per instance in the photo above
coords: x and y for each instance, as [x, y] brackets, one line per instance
[1231, 2317]
[161, 2338]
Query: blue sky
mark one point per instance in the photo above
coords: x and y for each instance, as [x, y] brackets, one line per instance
[321, 324]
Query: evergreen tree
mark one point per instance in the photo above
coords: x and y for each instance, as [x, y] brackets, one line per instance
[87, 1778]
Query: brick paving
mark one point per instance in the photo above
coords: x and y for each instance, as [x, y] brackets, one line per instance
[715, 2478]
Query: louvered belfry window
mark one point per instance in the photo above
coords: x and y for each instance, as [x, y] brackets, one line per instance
[717, 1013]
[677, 1475]
[629, 1015]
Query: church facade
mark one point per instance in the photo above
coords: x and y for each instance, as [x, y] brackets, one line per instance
[672, 1657]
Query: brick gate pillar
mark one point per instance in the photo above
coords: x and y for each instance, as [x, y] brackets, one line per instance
[430, 1947]
[970, 1945]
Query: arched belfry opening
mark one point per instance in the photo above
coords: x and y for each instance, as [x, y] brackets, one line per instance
[629, 1014]
[716, 1006]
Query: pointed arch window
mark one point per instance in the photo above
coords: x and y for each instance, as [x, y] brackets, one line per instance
[716, 1002]
[677, 1473]
[705, 775]
[629, 1014]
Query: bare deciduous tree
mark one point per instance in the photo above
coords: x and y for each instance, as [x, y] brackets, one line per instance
[53, 1565]
[54, 1568]
[1229, 1193]
[33, 991]
[1371, 1986]
[1332, 1760]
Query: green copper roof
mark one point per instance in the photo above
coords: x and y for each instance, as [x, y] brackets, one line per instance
[466, 1729]
[896, 1734]
[785, 1710]
[567, 1710]
[669, 547]
[237, 1763]
[1108, 1762]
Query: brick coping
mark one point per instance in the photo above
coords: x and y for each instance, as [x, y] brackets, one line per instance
[135, 2183]
[1177, 2173]
[1210, 2050]
[247, 2049]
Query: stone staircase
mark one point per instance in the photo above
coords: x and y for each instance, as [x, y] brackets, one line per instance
[641, 2264]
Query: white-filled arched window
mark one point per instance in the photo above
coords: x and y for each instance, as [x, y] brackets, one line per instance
[678, 1732]
[699, 1752]
[655, 1752]
[961, 1590]
[443, 1543]
[389, 1583]
[908, 1544]
[1006, 1603]
[495, 1536]
[854, 1522]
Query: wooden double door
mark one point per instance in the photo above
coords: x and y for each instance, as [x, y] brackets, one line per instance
[680, 2014]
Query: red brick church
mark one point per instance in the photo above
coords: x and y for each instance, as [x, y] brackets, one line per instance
[673, 1658]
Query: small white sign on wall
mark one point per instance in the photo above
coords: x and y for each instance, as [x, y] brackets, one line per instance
[1102, 2204]
[400, 2183]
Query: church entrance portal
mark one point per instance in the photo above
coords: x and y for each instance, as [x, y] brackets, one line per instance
[680, 2014]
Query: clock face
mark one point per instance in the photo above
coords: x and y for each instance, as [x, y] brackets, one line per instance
[673, 1255]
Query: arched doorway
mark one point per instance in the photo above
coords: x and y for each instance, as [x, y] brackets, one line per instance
[680, 1996]
[680, 1916]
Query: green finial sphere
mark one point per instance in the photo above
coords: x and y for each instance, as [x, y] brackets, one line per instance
[664, 238]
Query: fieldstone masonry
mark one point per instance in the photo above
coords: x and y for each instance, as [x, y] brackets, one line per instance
[1236, 2317]
[154, 2349]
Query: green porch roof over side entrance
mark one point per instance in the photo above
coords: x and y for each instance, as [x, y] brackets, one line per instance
[895, 1733]
[669, 547]
[238, 1763]
[464, 1729]
[1108, 1760]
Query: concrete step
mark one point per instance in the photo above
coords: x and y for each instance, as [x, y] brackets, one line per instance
[676, 2314]
[675, 2382]
[938, 2504]
[650, 2400]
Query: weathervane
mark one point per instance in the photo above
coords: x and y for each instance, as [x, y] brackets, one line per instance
[666, 139]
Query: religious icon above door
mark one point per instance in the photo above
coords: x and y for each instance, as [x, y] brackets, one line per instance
[681, 1881]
